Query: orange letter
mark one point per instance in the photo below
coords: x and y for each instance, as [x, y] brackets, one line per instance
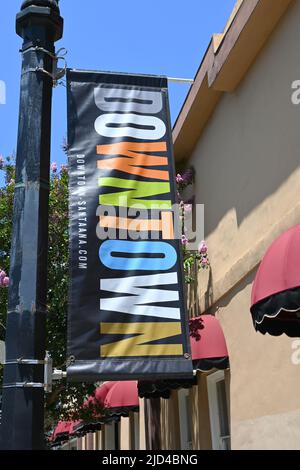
[136, 158]
[165, 225]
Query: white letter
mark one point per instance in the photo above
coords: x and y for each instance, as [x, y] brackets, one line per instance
[128, 101]
[296, 354]
[296, 95]
[134, 304]
[2, 92]
[103, 126]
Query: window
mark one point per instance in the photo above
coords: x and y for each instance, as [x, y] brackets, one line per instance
[218, 411]
[112, 436]
[185, 420]
[73, 444]
[136, 417]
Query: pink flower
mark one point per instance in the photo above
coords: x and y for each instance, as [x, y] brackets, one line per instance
[2, 275]
[188, 207]
[184, 240]
[4, 280]
[54, 167]
[202, 248]
[204, 262]
[179, 179]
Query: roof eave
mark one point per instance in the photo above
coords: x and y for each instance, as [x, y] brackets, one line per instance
[225, 64]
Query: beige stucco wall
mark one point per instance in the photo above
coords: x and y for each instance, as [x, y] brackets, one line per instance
[264, 382]
[248, 176]
[125, 435]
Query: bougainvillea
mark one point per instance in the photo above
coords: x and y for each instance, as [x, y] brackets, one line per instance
[193, 260]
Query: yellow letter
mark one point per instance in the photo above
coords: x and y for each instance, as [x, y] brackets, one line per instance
[144, 333]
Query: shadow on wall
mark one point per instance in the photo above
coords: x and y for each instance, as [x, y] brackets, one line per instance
[192, 294]
[240, 287]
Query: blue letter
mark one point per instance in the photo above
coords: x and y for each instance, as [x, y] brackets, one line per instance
[167, 261]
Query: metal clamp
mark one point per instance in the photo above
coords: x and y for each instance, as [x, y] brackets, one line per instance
[42, 49]
[30, 362]
[55, 77]
[24, 385]
[57, 73]
[49, 374]
[70, 361]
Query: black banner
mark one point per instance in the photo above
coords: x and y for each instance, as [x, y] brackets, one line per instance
[126, 311]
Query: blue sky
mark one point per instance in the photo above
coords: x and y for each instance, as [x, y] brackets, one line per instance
[167, 37]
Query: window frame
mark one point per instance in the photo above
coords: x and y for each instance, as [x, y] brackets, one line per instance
[214, 410]
[184, 420]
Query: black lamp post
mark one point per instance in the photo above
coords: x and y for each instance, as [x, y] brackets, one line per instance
[39, 24]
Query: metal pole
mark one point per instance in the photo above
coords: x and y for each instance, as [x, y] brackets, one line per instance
[39, 24]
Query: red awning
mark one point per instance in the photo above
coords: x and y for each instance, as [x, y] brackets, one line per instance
[61, 432]
[122, 395]
[280, 267]
[118, 398]
[63, 427]
[209, 352]
[73, 427]
[208, 345]
[163, 388]
[102, 391]
[98, 396]
[275, 298]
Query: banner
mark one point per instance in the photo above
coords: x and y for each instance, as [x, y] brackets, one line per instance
[126, 309]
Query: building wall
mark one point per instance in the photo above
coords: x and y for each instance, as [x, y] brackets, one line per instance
[247, 161]
[264, 382]
[248, 176]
